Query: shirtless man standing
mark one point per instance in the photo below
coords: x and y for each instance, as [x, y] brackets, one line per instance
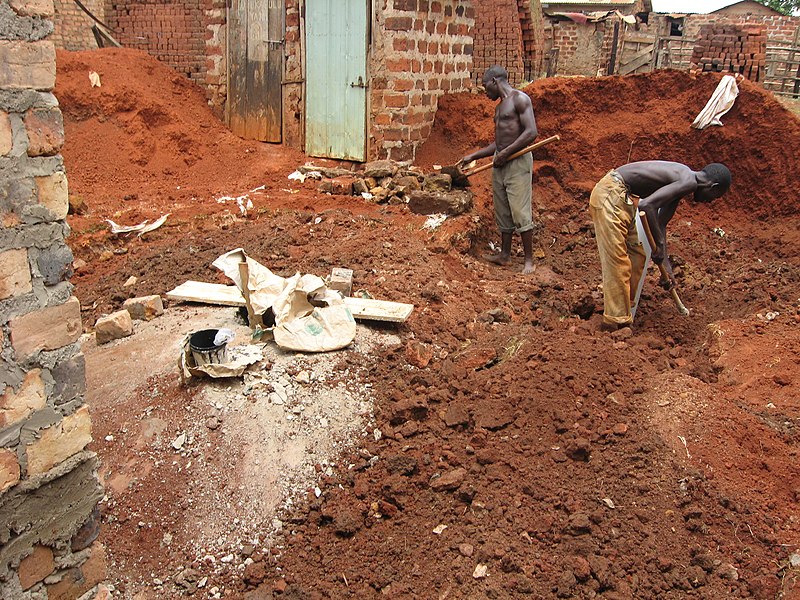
[613, 205]
[514, 128]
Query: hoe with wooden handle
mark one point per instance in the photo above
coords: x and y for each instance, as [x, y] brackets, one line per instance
[646, 226]
[461, 178]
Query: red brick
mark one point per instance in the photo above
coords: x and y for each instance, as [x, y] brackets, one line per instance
[36, 566]
[395, 100]
[398, 23]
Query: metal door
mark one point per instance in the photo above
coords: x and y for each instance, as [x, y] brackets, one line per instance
[255, 59]
[336, 78]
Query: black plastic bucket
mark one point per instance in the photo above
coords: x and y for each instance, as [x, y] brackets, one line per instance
[204, 350]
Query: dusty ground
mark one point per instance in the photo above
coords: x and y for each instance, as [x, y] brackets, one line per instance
[562, 461]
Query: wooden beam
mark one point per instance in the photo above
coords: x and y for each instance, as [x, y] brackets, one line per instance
[365, 309]
[207, 293]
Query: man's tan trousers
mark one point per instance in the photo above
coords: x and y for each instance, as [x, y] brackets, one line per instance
[621, 255]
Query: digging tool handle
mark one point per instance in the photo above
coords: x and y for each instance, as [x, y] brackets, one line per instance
[531, 148]
[646, 226]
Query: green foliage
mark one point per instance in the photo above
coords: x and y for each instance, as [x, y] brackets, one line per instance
[787, 7]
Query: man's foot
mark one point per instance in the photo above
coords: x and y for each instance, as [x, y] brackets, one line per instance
[528, 268]
[611, 327]
[499, 259]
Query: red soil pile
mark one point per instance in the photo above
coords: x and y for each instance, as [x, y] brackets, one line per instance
[147, 133]
[607, 122]
[659, 462]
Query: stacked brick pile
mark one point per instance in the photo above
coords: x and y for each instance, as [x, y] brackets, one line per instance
[736, 49]
[48, 482]
[424, 50]
[498, 38]
[777, 27]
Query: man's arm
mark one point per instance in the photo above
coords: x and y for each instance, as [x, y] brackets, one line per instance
[524, 109]
[482, 153]
[659, 207]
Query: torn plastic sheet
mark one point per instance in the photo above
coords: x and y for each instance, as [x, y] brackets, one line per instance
[241, 357]
[141, 228]
[721, 102]
[308, 316]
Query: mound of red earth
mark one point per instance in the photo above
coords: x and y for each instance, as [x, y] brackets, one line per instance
[522, 452]
[607, 122]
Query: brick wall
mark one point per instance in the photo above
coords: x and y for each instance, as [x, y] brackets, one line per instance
[188, 35]
[73, 27]
[48, 482]
[421, 50]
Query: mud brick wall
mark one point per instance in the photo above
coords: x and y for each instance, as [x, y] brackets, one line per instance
[421, 50]
[292, 96]
[499, 38]
[584, 49]
[48, 482]
[73, 27]
[187, 35]
[731, 49]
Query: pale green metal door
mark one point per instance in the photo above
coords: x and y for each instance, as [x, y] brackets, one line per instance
[336, 78]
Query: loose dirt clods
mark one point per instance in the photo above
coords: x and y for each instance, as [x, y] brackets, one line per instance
[658, 463]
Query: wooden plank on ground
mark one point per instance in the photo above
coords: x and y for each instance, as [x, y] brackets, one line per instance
[207, 293]
[364, 309]
[378, 310]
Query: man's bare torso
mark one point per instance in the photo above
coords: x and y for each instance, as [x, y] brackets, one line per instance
[645, 177]
[507, 124]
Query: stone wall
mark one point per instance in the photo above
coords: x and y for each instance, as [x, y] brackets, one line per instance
[188, 36]
[73, 27]
[48, 483]
[421, 49]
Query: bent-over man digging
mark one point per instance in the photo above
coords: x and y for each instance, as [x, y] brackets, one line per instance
[514, 129]
[613, 206]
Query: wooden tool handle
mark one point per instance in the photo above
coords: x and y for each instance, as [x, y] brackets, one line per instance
[517, 154]
[675, 297]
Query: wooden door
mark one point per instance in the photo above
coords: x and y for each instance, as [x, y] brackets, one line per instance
[336, 78]
[638, 53]
[255, 63]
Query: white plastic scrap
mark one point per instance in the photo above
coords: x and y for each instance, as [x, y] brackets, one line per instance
[297, 176]
[154, 225]
[433, 221]
[94, 79]
[721, 102]
[439, 529]
[719, 231]
[244, 204]
[141, 228]
[223, 336]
